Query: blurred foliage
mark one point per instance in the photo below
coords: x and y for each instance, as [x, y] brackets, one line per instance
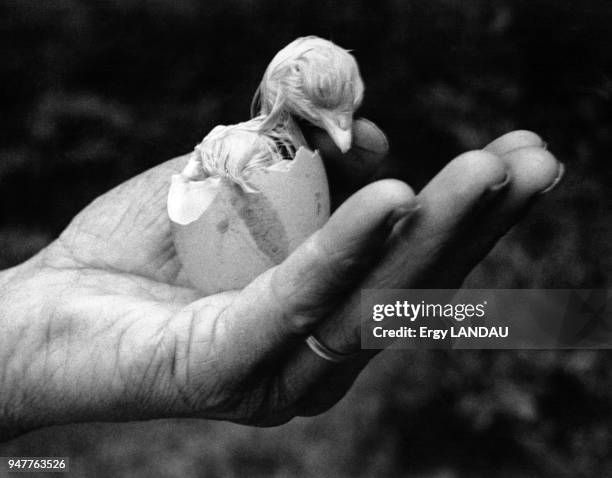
[97, 91]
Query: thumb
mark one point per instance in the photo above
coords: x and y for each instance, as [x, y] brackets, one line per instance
[288, 301]
[349, 171]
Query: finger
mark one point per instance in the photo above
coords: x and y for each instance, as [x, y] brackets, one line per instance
[535, 172]
[514, 140]
[454, 228]
[418, 247]
[415, 254]
[532, 170]
[284, 304]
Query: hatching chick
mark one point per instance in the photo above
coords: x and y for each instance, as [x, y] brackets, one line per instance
[311, 79]
[315, 80]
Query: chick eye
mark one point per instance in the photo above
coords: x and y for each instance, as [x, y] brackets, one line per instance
[327, 90]
[322, 92]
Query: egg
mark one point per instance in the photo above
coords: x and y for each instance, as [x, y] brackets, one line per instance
[242, 234]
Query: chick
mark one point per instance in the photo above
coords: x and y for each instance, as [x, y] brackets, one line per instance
[311, 79]
[315, 80]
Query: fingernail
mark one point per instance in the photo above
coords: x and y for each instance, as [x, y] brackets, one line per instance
[401, 213]
[501, 185]
[558, 178]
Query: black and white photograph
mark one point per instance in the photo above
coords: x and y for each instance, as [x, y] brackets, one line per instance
[298, 238]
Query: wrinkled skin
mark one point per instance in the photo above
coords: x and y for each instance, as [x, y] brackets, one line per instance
[101, 324]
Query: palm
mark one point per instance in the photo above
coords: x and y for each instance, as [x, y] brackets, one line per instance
[121, 275]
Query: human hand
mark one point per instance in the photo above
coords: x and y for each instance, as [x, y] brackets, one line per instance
[102, 324]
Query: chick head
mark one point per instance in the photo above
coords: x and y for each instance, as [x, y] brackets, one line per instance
[316, 80]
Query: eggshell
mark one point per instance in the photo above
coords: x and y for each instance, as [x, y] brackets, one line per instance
[241, 235]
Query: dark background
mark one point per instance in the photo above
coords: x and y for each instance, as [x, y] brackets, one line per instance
[93, 92]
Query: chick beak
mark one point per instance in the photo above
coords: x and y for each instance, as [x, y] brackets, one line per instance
[339, 129]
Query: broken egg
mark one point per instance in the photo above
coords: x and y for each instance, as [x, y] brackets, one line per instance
[241, 234]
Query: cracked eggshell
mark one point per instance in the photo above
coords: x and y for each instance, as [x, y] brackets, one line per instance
[240, 235]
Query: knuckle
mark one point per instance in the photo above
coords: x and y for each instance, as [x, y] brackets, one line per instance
[303, 324]
[336, 261]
